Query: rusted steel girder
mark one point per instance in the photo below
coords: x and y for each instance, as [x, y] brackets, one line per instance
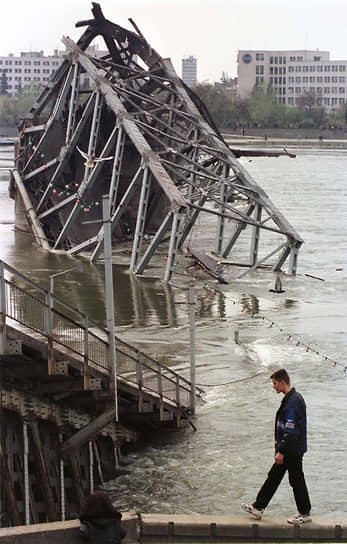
[127, 126]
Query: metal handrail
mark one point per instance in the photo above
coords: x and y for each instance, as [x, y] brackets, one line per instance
[83, 338]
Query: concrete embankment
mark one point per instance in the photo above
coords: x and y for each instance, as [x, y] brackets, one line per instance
[162, 528]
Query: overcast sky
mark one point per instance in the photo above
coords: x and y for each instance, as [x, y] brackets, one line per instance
[211, 30]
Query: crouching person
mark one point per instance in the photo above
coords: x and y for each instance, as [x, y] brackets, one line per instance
[100, 521]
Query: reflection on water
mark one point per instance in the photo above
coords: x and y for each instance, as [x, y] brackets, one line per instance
[222, 464]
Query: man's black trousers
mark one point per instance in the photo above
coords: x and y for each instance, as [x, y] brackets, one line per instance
[296, 480]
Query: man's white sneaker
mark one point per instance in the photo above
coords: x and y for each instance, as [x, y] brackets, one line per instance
[298, 519]
[251, 510]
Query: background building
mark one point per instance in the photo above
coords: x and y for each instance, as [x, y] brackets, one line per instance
[29, 68]
[33, 67]
[295, 76]
[189, 71]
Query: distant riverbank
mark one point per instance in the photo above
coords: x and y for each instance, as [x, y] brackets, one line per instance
[294, 137]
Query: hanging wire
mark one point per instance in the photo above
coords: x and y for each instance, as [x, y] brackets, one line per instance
[231, 382]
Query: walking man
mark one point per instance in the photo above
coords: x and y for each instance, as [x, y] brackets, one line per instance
[290, 446]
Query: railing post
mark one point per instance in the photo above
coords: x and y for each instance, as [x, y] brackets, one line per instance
[49, 331]
[160, 391]
[192, 346]
[178, 399]
[85, 352]
[2, 309]
[139, 381]
[110, 296]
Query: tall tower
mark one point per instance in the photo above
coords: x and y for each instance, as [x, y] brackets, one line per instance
[189, 71]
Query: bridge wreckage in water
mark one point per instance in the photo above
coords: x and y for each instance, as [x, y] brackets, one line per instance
[138, 134]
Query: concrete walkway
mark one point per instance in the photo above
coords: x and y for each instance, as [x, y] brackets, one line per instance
[165, 528]
[243, 528]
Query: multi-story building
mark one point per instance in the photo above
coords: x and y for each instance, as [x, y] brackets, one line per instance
[29, 68]
[189, 71]
[294, 74]
[33, 67]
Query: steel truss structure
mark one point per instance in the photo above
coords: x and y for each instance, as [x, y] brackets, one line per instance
[139, 135]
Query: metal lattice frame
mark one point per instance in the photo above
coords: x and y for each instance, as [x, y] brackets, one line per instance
[140, 135]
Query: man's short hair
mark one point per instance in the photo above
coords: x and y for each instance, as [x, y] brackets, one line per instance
[281, 375]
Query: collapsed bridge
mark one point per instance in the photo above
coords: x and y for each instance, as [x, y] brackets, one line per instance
[126, 126]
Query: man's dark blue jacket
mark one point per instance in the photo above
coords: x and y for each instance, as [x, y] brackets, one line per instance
[290, 425]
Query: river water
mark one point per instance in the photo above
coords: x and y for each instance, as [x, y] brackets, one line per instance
[223, 463]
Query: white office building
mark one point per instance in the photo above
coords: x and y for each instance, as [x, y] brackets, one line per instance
[34, 67]
[29, 68]
[294, 73]
[189, 71]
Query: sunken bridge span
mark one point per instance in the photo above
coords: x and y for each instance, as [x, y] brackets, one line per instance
[126, 126]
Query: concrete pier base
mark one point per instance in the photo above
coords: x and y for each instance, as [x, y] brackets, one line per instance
[165, 528]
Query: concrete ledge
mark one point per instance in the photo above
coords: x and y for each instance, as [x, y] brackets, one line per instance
[166, 528]
[61, 532]
[183, 528]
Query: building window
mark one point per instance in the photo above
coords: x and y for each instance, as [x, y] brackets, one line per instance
[326, 90]
[327, 101]
[319, 68]
[259, 56]
[326, 79]
[326, 68]
[298, 90]
[299, 59]
[298, 79]
[334, 68]
[290, 68]
[342, 90]
[298, 68]
[316, 59]
[342, 68]
[312, 79]
[305, 79]
[341, 79]
[341, 100]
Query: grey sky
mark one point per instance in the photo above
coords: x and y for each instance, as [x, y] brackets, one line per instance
[212, 31]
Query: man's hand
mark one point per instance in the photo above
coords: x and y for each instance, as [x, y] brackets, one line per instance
[279, 458]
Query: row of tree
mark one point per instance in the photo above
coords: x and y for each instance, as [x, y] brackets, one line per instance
[263, 110]
[14, 108]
